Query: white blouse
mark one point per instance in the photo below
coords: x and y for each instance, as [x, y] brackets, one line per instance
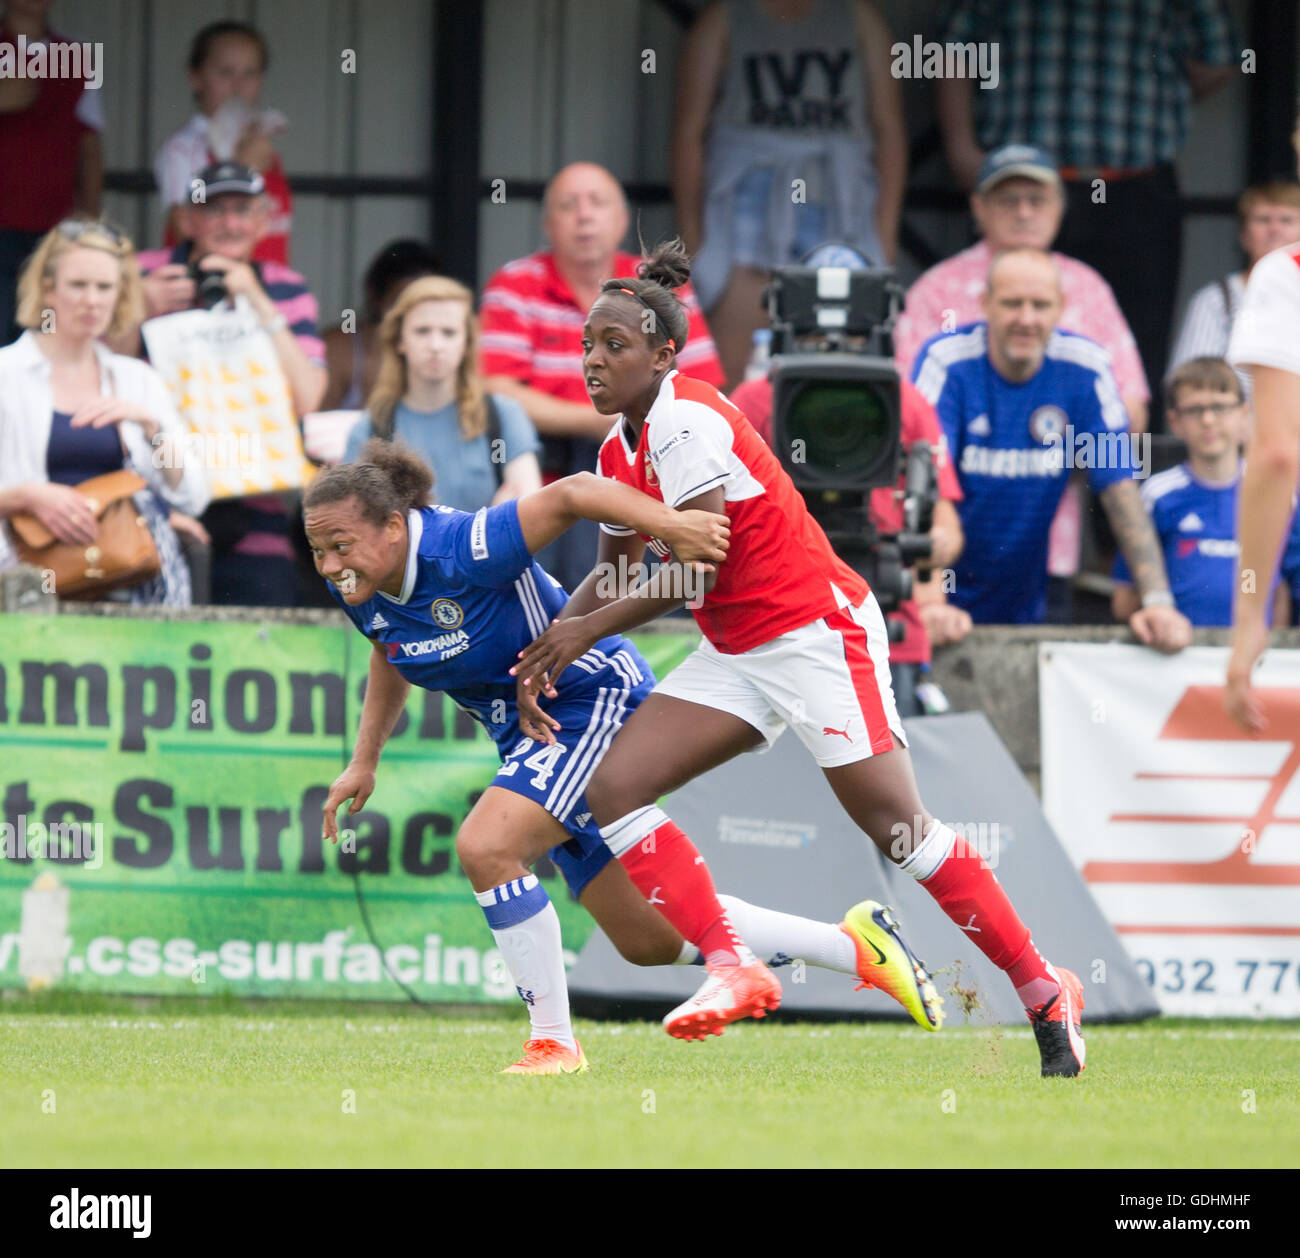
[26, 414]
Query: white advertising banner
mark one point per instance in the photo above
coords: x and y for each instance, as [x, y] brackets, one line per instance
[1185, 828]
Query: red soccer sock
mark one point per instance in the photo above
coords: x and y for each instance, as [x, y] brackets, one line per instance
[1034, 980]
[667, 868]
[967, 890]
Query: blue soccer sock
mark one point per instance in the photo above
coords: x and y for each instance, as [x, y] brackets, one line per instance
[526, 928]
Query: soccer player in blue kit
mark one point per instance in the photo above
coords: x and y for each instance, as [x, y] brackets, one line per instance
[448, 600]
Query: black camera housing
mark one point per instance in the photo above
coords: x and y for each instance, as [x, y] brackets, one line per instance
[209, 286]
[837, 419]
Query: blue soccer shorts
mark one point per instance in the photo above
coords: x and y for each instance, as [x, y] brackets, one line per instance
[555, 775]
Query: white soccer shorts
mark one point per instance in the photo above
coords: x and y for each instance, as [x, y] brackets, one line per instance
[829, 681]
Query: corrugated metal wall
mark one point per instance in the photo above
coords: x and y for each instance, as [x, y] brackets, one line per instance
[374, 122]
[563, 80]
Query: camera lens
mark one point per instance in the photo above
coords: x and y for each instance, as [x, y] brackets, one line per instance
[211, 290]
[209, 287]
[844, 427]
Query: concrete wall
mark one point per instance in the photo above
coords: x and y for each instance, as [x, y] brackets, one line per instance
[377, 121]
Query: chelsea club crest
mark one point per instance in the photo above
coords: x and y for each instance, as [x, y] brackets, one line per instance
[446, 613]
[1047, 424]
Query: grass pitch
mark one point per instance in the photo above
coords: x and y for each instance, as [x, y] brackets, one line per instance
[111, 1082]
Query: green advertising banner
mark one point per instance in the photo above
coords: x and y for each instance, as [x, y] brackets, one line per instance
[161, 786]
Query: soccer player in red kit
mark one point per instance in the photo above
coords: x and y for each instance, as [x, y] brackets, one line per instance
[792, 636]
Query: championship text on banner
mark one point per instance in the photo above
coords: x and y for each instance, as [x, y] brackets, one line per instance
[1186, 829]
[160, 817]
[225, 380]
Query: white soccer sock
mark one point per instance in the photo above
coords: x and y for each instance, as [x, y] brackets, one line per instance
[779, 938]
[526, 927]
[930, 853]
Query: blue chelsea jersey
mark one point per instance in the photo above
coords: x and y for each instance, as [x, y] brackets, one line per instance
[1197, 527]
[471, 600]
[1014, 445]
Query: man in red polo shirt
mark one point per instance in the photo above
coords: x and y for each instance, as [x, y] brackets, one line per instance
[532, 314]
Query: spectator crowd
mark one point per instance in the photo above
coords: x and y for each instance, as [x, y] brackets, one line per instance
[1054, 326]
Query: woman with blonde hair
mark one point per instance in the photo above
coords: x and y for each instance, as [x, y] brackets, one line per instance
[71, 410]
[482, 448]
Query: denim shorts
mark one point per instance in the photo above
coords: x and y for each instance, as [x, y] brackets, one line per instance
[749, 241]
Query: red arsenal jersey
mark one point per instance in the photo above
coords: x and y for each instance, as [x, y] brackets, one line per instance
[780, 572]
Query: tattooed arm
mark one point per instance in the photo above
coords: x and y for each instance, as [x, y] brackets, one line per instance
[1160, 625]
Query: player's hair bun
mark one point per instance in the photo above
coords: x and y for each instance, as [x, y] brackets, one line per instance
[668, 264]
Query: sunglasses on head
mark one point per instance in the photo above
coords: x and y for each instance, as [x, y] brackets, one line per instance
[75, 228]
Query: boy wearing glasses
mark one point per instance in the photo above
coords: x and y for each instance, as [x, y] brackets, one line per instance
[1194, 506]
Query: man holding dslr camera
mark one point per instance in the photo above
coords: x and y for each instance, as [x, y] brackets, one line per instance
[253, 556]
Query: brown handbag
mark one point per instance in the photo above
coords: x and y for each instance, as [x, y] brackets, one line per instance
[122, 555]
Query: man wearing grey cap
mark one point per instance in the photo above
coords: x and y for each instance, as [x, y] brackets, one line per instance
[1018, 202]
[253, 556]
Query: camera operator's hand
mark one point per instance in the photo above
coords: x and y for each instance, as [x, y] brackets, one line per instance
[945, 623]
[947, 540]
[945, 546]
[167, 290]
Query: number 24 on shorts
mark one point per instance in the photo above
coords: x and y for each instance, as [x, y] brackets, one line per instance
[544, 760]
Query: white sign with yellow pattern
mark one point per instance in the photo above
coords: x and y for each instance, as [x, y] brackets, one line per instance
[226, 381]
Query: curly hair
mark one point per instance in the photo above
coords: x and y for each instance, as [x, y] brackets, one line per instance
[388, 476]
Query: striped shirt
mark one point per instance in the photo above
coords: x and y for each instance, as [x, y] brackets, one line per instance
[532, 328]
[267, 531]
[1097, 85]
[285, 287]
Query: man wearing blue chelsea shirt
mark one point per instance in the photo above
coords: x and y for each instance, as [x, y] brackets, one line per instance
[1022, 404]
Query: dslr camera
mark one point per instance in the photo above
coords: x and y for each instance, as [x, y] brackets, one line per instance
[209, 286]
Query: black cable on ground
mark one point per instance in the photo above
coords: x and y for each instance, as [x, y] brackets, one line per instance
[356, 877]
